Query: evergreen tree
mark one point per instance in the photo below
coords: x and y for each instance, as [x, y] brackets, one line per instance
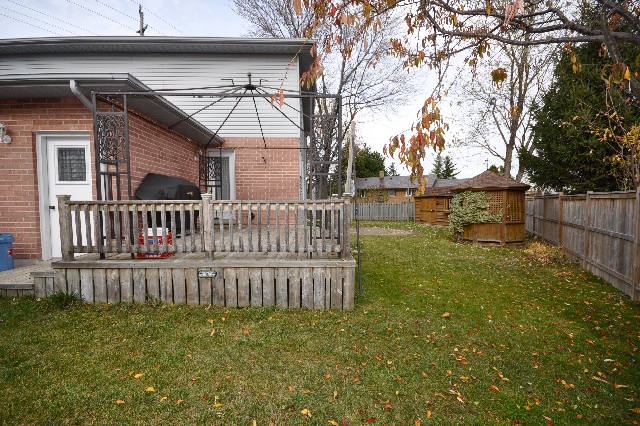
[438, 166]
[368, 163]
[449, 169]
[391, 171]
[497, 170]
[569, 155]
[444, 168]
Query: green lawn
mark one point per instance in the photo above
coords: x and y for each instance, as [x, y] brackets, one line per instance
[444, 333]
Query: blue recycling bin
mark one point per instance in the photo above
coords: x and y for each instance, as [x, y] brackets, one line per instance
[6, 252]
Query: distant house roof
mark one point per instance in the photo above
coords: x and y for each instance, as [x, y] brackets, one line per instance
[392, 182]
[443, 187]
[490, 180]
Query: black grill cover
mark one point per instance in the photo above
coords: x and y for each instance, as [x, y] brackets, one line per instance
[161, 187]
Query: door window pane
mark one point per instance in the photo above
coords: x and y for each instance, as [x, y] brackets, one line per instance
[71, 165]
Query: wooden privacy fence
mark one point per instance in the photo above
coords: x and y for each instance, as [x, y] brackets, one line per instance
[600, 229]
[384, 211]
[320, 226]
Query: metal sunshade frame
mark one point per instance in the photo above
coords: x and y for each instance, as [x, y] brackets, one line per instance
[321, 133]
[111, 148]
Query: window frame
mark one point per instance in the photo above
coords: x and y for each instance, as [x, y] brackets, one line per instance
[231, 155]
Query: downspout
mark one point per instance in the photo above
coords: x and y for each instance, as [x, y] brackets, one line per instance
[74, 89]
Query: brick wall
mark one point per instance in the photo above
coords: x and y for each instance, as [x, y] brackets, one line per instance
[261, 174]
[266, 174]
[19, 214]
[154, 149]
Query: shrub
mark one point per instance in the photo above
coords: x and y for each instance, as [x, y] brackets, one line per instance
[471, 207]
[61, 300]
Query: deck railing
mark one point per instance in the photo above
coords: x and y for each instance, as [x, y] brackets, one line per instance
[209, 226]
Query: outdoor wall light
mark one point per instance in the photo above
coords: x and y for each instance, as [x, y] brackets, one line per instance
[4, 137]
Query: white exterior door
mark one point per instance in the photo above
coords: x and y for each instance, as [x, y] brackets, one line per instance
[68, 173]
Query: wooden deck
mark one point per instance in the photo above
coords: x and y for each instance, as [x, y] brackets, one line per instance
[235, 279]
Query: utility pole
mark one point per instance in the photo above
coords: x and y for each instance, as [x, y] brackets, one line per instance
[143, 27]
[352, 153]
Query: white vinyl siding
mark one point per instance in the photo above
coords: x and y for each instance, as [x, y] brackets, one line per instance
[183, 71]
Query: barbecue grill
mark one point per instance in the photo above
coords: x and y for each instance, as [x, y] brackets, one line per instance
[161, 187]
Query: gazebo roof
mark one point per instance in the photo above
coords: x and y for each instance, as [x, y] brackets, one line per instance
[489, 180]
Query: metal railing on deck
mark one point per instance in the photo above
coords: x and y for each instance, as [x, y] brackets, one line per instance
[209, 226]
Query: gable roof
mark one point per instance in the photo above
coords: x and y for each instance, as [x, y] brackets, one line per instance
[391, 182]
[152, 44]
[490, 180]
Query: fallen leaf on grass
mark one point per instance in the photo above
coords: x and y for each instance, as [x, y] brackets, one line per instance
[370, 420]
[164, 398]
[417, 422]
[150, 389]
[246, 331]
[635, 410]
[119, 401]
[218, 404]
[335, 394]
[494, 388]
[446, 315]
[599, 379]
[333, 423]
[180, 401]
[306, 412]
[212, 332]
[137, 376]
[388, 406]
[615, 385]
[429, 414]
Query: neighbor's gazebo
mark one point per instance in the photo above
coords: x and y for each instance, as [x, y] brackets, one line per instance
[506, 196]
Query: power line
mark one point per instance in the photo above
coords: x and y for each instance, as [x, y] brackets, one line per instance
[52, 17]
[99, 14]
[128, 16]
[113, 8]
[19, 20]
[151, 12]
[36, 19]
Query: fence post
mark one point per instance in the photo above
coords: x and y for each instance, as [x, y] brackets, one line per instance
[587, 222]
[66, 243]
[560, 218]
[346, 227]
[544, 217]
[207, 225]
[635, 274]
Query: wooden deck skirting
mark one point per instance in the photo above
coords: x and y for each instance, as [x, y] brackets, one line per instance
[16, 290]
[233, 280]
[291, 254]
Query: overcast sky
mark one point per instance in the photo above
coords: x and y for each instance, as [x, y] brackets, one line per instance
[194, 18]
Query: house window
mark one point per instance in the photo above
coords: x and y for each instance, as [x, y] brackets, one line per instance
[223, 187]
[411, 192]
[71, 165]
[363, 193]
[392, 192]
